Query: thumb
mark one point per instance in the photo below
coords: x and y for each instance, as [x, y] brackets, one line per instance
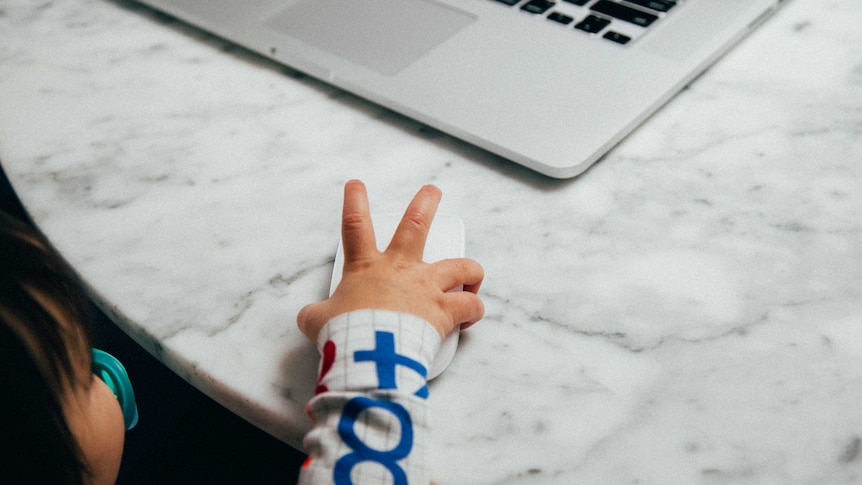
[310, 320]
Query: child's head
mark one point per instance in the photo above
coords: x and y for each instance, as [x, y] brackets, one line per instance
[60, 423]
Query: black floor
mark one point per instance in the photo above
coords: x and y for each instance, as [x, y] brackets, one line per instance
[183, 437]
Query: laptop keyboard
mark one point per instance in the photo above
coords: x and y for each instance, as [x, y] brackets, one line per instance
[620, 22]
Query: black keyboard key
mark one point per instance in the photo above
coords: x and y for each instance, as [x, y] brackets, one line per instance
[580, 3]
[617, 37]
[558, 17]
[509, 2]
[626, 14]
[593, 24]
[657, 5]
[537, 6]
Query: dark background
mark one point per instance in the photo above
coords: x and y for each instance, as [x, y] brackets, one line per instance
[182, 436]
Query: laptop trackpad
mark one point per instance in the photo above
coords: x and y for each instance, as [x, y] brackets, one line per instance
[384, 35]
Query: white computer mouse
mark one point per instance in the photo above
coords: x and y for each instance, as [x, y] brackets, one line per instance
[446, 240]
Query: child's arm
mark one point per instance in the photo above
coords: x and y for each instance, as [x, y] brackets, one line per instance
[370, 413]
[378, 333]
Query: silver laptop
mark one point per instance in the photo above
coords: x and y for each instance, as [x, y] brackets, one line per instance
[549, 84]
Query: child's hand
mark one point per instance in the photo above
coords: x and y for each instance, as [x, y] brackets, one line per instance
[397, 279]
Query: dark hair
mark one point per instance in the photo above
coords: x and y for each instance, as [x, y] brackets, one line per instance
[38, 356]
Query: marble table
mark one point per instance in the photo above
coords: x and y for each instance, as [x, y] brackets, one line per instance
[687, 311]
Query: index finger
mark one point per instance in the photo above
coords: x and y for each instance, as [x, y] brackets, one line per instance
[357, 231]
[409, 239]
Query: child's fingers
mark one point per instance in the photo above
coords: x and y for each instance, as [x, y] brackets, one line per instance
[409, 239]
[465, 308]
[357, 230]
[310, 320]
[452, 273]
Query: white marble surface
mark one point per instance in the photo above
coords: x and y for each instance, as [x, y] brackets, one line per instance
[687, 311]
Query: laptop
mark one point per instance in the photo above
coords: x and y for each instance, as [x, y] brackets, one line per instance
[549, 84]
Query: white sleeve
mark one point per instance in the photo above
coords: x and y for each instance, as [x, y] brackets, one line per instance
[370, 409]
